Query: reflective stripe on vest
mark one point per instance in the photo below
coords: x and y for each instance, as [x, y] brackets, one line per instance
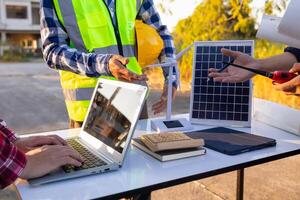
[90, 29]
[128, 50]
[69, 19]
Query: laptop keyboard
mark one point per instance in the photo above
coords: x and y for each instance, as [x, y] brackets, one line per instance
[89, 159]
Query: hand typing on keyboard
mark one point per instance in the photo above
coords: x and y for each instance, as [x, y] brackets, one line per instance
[48, 158]
[89, 159]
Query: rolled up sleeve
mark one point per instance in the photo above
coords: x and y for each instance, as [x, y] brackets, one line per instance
[294, 51]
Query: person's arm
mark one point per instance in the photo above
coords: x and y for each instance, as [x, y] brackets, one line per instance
[149, 15]
[12, 161]
[9, 134]
[232, 74]
[281, 62]
[57, 52]
[60, 56]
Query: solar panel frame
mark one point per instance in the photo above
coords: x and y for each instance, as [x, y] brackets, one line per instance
[230, 120]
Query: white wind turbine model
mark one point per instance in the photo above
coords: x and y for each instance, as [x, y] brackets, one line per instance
[168, 124]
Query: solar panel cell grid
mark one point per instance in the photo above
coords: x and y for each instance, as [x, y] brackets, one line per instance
[214, 100]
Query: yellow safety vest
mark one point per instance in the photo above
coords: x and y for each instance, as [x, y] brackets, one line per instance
[90, 28]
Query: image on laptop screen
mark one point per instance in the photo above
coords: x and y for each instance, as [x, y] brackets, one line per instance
[111, 114]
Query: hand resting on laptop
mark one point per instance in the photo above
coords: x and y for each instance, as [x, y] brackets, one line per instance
[45, 154]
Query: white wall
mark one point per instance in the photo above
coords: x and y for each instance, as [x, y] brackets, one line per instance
[1, 12]
[18, 24]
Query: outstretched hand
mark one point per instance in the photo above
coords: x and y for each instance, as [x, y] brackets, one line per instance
[234, 74]
[117, 68]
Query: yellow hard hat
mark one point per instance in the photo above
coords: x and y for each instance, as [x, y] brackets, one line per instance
[149, 43]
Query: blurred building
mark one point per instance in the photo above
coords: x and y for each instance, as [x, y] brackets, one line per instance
[19, 24]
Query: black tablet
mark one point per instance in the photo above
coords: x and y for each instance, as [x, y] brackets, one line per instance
[231, 142]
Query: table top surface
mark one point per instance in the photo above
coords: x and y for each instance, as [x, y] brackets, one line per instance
[141, 171]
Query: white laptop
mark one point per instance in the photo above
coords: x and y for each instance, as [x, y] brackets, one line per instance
[106, 132]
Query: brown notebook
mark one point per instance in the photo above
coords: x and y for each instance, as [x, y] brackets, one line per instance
[170, 141]
[169, 154]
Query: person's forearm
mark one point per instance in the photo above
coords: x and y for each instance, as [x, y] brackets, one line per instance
[282, 62]
[7, 132]
[62, 57]
[12, 162]
[59, 55]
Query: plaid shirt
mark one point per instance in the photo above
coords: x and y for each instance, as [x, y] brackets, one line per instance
[59, 55]
[12, 161]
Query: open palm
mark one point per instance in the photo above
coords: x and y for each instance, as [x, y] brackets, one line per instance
[233, 74]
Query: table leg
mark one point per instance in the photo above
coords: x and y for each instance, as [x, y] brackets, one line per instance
[240, 184]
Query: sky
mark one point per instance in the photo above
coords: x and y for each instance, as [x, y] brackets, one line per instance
[184, 8]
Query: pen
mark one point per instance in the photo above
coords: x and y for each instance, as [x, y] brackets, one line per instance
[226, 65]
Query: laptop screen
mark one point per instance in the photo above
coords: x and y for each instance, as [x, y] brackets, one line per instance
[112, 112]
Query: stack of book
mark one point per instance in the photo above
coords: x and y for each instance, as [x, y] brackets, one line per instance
[170, 146]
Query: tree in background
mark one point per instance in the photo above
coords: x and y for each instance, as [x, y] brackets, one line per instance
[165, 9]
[213, 20]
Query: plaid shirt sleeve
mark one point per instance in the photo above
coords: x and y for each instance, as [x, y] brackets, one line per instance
[12, 161]
[57, 52]
[149, 15]
[10, 135]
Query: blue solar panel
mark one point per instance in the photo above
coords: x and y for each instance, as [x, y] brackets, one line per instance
[213, 100]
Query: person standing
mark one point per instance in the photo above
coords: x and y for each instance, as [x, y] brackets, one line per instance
[88, 39]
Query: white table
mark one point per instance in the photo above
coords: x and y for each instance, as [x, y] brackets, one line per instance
[142, 172]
